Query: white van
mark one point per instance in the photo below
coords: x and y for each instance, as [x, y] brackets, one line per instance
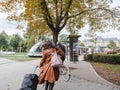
[35, 51]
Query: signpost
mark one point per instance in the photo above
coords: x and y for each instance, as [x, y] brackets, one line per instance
[73, 43]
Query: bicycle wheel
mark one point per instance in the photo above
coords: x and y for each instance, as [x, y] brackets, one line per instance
[65, 72]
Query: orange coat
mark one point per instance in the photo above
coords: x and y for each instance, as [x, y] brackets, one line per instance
[49, 73]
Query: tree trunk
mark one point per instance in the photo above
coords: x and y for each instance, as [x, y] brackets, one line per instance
[55, 36]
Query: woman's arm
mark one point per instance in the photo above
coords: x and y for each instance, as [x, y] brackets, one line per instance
[60, 51]
[43, 59]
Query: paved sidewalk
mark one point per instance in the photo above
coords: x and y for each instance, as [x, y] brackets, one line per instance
[83, 76]
[84, 70]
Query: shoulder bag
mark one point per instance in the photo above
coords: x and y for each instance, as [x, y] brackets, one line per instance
[56, 60]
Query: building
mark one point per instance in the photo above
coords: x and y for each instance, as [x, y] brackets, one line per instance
[101, 42]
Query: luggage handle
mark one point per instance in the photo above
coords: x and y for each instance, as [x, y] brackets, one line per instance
[35, 69]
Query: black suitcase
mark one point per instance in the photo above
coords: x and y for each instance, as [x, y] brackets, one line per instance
[30, 81]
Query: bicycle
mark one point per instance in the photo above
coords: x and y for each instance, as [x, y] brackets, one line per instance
[65, 72]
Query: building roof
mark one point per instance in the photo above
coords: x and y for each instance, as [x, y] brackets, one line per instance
[103, 39]
[4, 33]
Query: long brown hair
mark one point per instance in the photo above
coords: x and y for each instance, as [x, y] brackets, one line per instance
[48, 44]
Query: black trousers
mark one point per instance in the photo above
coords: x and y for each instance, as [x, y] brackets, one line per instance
[48, 85]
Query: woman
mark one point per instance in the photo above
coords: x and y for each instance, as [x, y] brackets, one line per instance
[48, 73]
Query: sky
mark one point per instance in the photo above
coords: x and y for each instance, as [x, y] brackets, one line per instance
[10, 27]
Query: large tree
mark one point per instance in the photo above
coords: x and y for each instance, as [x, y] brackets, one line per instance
[54, 15]
[14, 42]
[3, 42]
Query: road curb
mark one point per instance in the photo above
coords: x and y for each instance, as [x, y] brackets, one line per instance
[102, 77]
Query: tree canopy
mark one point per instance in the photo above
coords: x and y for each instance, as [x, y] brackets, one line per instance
[3, 42]
[15, 42]
[51, 16]
[112, 45]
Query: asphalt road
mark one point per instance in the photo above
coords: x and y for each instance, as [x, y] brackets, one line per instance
[12, 73]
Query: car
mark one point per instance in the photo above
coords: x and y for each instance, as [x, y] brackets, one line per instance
[35, 51]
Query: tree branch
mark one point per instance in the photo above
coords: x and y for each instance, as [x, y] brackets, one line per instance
[65, 16]
[68, 7]
[59, 20]
[47, 16]
[108, 10]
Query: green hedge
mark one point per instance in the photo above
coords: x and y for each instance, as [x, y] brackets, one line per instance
[88, 57]
[112, 52]
[104, 58]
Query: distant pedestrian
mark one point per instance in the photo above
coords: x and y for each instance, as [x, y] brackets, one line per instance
[49, 74]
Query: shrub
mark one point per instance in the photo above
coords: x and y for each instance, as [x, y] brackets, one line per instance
[112, 52]
[88, 57]
[115, 59]
[104, 58]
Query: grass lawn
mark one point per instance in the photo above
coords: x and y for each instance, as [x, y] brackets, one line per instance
[19, 57]
[110, 72]
[114, 67]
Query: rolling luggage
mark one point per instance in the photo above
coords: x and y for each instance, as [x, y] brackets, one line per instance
[30, 81]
